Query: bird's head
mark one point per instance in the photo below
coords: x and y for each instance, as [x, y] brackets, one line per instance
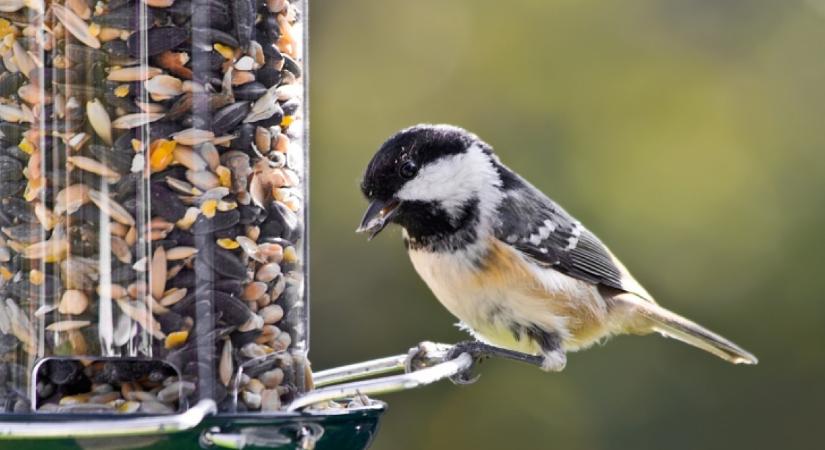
[430, 179]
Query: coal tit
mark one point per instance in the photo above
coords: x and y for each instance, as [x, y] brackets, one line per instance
[516, 269]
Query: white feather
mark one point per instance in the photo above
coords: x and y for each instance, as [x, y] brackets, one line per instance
[456, 179]
[489, 310]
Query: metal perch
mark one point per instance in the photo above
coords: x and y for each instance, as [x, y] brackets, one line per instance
[425, 364]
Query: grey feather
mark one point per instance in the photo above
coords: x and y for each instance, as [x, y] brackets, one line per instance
[522, 221]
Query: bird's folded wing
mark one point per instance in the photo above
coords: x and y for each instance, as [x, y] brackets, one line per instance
[540, 229]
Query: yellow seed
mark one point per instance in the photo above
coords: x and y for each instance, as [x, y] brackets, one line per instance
[287, 121]
[161, 154]
[26, 146]
[6, 273]
[137, 145]
[122, 90]
[5, 28]
[175, 339]
[94, 29]
[209, 208]
[224, 176]
[226, 51]
[187, 220]
[33, 188]
[229, 244]
[36, 277]
[290, 255]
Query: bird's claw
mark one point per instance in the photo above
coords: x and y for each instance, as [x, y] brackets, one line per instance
[427, 354]
[478, 353]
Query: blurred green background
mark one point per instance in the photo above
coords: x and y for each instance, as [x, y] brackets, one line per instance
[688, 134]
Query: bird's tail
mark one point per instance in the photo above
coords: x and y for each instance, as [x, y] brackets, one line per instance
[672, 325]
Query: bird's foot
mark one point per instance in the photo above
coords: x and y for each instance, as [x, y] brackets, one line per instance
[477, 351]
[480, 351]
[554, 361]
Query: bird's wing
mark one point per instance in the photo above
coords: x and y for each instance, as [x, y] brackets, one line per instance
[543, 231]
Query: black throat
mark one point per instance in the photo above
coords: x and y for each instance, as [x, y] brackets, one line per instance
[430, 228]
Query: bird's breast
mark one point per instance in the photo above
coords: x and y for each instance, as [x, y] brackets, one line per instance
[497, 293]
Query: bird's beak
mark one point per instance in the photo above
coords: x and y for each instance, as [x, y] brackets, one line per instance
[377, 217]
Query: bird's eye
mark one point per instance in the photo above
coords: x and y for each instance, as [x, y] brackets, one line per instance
[408, 169]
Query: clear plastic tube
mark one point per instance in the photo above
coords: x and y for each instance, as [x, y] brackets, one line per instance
[153, 219]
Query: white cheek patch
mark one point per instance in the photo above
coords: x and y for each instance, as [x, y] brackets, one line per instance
[453, 180]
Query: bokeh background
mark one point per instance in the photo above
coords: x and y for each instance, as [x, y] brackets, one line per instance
[688, 134]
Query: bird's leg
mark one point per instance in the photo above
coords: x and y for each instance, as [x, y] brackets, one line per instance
[553, 356]
[480, 351]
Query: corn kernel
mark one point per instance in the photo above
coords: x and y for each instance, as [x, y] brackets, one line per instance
[229, 244]
[33, 189]
[224, 176]
[6, 273]
[122, 90]
[175, 339]
[187, 220]
[226, 51]
[137, 145]
[26, 146]
[209, 208]
[5, 28]
[287, 121]
[36, 277]
[94, 29]
[290, 255]
[161, 154]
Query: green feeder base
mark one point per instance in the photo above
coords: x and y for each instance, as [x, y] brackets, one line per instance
[350, 429]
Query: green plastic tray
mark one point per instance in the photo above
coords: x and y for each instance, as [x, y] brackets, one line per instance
[347, 430]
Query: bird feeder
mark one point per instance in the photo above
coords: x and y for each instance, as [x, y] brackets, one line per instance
[153, 233]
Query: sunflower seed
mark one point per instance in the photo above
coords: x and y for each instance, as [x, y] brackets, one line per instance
[243, 15]
[156, 40]
[234, 310]
[229, 117]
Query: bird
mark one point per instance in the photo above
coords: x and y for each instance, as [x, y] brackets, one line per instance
[521, 274]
